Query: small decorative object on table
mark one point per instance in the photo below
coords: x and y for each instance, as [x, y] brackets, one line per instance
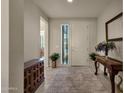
[105, 47]
[54, 57]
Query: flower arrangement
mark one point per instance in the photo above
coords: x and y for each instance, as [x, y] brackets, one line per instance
[105, 47]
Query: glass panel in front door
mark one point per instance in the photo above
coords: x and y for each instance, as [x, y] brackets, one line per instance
[65, 43]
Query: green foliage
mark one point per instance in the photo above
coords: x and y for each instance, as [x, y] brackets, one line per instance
[54, 56]
[105, 45]
[92, 56]
[111, 46]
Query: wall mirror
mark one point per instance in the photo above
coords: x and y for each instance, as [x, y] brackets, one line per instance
[114, 28]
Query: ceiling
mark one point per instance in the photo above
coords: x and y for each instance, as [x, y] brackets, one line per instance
[77, 9]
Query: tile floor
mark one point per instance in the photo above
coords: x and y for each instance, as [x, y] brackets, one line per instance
[74, 80]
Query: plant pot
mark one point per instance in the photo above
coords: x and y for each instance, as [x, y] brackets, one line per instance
[53, 64]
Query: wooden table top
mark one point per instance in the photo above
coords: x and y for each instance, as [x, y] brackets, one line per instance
[32, 62]
[109, 61]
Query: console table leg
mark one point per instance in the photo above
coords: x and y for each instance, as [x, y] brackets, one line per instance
[112, 78]
[96, 67]
[105, 73]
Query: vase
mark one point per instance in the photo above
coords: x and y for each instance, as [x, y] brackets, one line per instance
[53, 64]
[106, 57]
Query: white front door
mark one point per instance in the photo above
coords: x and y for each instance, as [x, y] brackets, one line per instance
[79, 44]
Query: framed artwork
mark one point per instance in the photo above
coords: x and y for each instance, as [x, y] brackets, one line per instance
[114, 28]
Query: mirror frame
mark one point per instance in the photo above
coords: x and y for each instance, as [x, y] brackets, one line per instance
[106, 27]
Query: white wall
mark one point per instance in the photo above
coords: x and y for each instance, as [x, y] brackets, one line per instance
[55, 32]
[31, 30]
[111, 11]
[5, 46]
[16, 46]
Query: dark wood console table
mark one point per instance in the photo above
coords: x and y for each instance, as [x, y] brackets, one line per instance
[113, 66]
[33, 75]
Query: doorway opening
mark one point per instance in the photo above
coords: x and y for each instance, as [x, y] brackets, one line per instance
[42, 36]
[44, 40]
[65, 44]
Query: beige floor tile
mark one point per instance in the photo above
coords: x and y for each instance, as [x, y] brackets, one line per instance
[74, 80]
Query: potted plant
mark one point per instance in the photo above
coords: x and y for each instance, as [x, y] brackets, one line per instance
[105, 47]
[92, 56]
[54, 57]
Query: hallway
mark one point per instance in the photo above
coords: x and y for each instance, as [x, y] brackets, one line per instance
[31, 29]
[74, 80]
